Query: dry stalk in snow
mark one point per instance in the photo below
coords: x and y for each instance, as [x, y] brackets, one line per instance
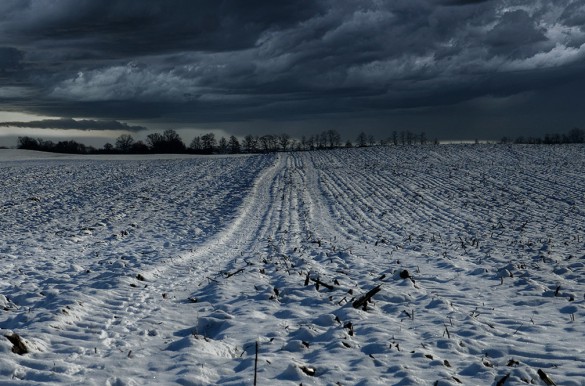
[360, 302]
[256, 365]
[503, 380]
[230, 274]
[545, 378]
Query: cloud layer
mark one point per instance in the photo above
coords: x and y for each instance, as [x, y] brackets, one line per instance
[232, 61]
[72, 124]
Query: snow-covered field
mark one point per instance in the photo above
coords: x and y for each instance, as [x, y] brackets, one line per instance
[135, 271]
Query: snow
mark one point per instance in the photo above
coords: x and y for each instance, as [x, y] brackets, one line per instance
[123, 270]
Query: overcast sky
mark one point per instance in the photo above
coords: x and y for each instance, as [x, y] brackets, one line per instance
[454, 69]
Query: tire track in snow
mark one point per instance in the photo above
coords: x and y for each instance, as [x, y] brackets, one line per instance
[297, 324]
[155, 309]
[116, 318]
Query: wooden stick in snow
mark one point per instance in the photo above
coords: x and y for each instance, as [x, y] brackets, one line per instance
[362, 300]
[256, 364]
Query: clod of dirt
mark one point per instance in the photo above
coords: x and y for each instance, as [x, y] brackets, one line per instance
[18, 344]
[310, 371]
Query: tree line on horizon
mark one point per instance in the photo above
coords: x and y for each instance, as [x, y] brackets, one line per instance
[575, 135]
[170, 142]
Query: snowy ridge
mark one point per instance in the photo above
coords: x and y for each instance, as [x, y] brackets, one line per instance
[170, 271]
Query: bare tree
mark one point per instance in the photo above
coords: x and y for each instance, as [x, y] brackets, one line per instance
[196, 145]
[124, 143]
[208, 143]
[266, 142]
[108, 148]
[576, 135]
[409, 138]
[296, 145]
[304, 144]
[139, 147]
[234, 145]
[222, 146]
[250, 143]
[154, 141]
[322, 140]
[284, 141]
[362, 139]
[167, 142]
[333, 138]
[311, 143]
[28, 143]
[173, 142]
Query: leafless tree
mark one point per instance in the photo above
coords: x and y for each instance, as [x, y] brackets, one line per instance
[124, 143]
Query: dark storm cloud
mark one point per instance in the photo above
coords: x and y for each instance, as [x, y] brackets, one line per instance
[113, 29]
[515, 35]
[230, 60]
[10, 59]
[574, 15]
[72, 124]
[463, 2]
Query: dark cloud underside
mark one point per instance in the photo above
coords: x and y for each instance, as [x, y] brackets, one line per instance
[464, 2]
[72, 124]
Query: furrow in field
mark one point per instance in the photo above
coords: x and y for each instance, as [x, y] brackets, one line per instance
[281, 284]
[477, 252]
[114, 300]
[474, 240]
